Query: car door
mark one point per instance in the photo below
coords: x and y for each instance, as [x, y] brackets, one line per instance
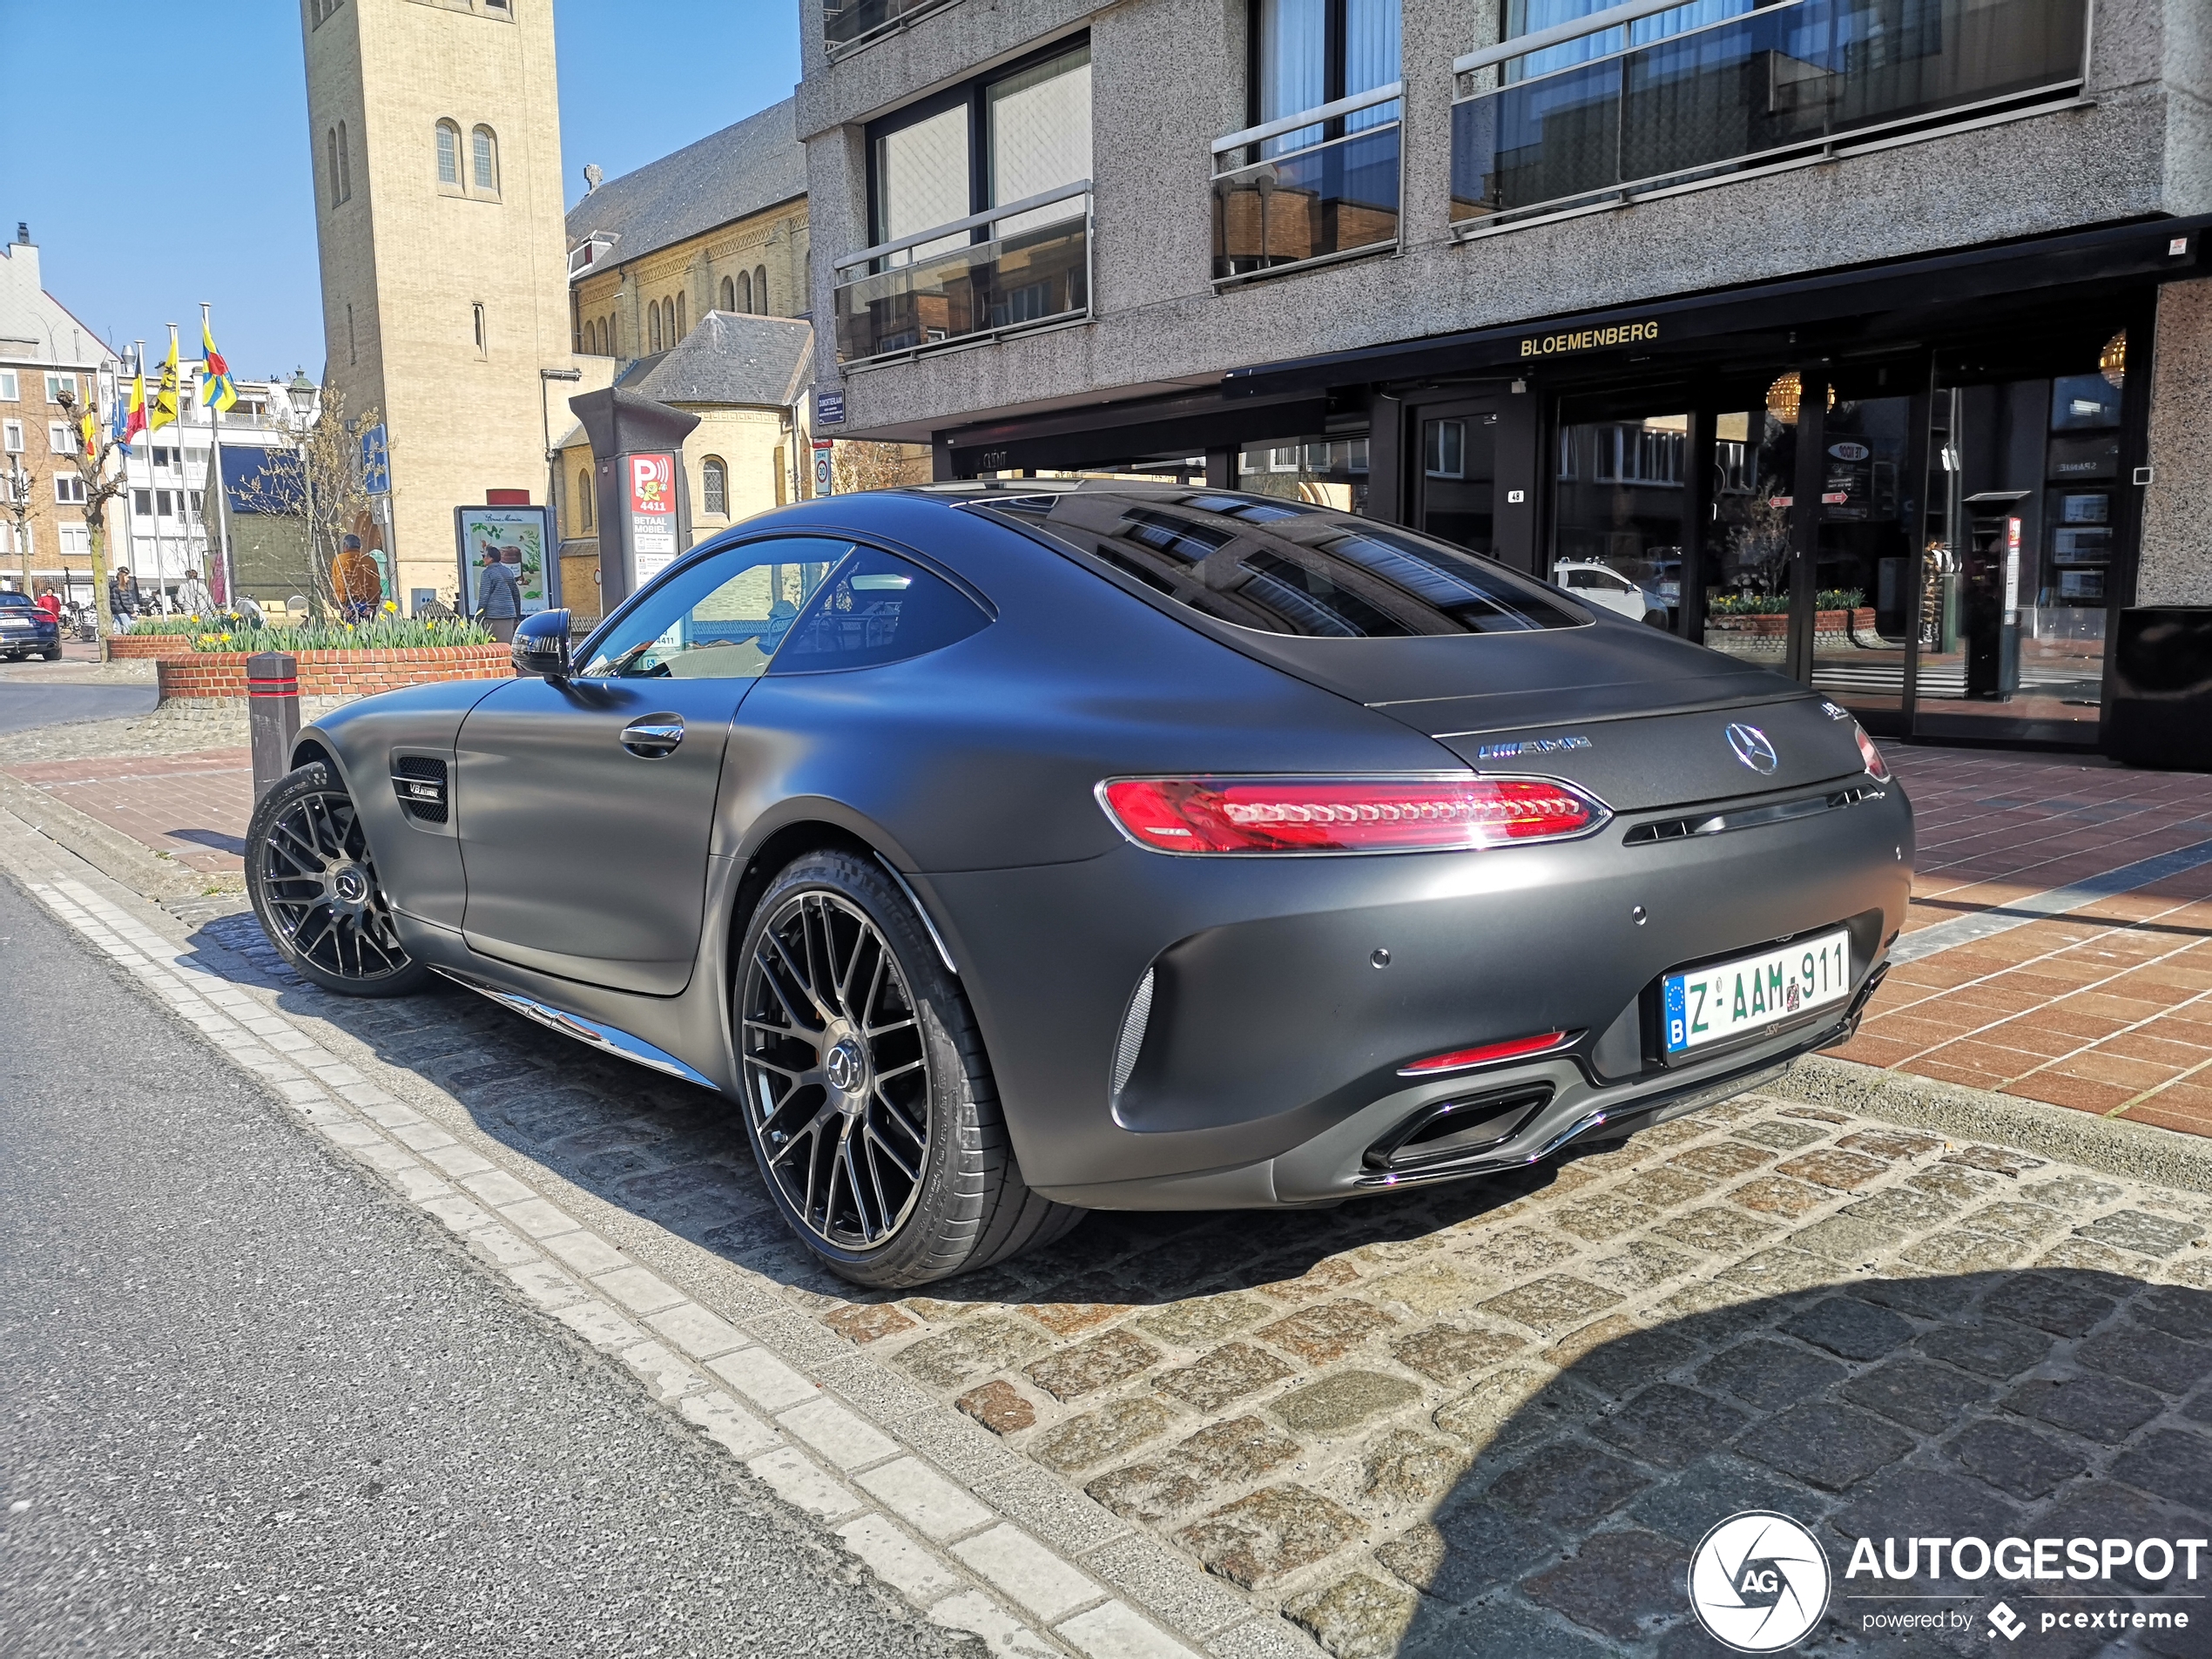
[585, 806]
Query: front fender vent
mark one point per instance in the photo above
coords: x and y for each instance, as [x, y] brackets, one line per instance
[419, 782]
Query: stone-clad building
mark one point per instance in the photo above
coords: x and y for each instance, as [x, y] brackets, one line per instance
[1867, 339]
[436, 137]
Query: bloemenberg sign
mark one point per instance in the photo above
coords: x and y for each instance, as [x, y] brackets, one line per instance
[1619, 334]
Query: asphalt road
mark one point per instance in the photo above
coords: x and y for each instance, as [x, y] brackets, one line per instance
[22, 706]
[247, 1404]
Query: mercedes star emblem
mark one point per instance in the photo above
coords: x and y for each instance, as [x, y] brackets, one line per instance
[1752, 748]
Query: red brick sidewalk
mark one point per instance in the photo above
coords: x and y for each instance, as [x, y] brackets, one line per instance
[191, 807]
[2107, 1008]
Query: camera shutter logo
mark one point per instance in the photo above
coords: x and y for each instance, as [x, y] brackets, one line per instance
[1759, 1583]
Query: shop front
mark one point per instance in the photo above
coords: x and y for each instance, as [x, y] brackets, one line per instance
[1915, 487]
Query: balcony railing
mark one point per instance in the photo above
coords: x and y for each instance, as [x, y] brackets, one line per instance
[912, 295]
[1334, 193]
[847, 23]
[1778, 83]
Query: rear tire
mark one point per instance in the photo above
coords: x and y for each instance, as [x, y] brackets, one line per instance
[868, 1096]
[315, 891]
[53, 653]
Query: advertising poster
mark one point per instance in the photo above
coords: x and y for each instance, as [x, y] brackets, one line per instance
[652, 515]
[514, 537]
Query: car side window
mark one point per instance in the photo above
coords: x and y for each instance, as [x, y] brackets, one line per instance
[722, 618]
[877, 609]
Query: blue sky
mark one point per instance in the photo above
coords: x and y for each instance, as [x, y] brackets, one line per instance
[137, 220]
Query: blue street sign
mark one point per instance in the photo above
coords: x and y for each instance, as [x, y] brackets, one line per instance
[376, 463]
[829, 407]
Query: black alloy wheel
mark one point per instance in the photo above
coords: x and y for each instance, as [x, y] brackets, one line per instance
[866, 1094]
[313, 885]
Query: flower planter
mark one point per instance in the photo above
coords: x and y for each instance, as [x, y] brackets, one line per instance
[338, 673]
[1777, 624]
[142, 647]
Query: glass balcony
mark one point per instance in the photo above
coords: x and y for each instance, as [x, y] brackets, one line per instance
[1337, 195]
[1038, 274]
[1750, 90]
[848, 22]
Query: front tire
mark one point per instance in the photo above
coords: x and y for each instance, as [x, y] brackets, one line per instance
[868, 1099]
[315, 891]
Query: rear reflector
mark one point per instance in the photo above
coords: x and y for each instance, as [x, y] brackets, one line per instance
[1460, 1059]
[1875, 765]
[1345, 814]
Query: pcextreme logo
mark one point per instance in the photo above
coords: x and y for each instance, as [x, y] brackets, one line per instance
[1759, 1581]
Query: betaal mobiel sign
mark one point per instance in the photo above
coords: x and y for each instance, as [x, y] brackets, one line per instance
[1619, 334]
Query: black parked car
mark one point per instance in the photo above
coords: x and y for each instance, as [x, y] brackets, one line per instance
[26, 630]
[1005, 852]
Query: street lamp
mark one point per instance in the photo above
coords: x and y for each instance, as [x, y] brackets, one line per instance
[301, 393]
[553, 479]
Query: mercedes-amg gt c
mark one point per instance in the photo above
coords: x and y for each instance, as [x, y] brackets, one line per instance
[1005, 854]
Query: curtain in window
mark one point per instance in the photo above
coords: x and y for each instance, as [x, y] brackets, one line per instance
[1293, 66]
[1369, 56]
[1527, 17]
[921, 181]
[1040, 137]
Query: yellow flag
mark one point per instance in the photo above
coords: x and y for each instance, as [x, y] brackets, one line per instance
[165, 400]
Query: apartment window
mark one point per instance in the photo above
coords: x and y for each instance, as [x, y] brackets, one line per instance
[69, 489]
[142, 502]
[1030, 125]
[11, 436]
[57, 439]
[449, 153]
[714, 486]
[485, 159]
[56, 384]
[193, 502]
[483, 338]
[1310, 52]
[584, 497]
[9, 391]
[165, 502]
[74, 540]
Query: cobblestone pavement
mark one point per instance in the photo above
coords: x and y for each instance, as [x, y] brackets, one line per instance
[1494, 1418]
[2060, 945]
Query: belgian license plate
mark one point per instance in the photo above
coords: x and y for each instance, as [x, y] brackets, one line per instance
[1734, 999]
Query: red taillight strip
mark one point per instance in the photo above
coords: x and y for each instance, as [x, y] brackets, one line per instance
[1513, 1048]
[1222, 813]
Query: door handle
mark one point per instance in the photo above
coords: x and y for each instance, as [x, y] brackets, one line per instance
[652, 737]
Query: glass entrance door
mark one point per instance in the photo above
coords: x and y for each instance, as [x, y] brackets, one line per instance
[1865, 529]
[1458, 474]
[1620, 514]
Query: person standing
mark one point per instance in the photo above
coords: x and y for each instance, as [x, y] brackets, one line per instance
[123, 601]
[499, 596]
[194, 597]
[355, 582]
[51, 602]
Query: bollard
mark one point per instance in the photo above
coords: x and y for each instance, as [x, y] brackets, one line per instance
[272, 715]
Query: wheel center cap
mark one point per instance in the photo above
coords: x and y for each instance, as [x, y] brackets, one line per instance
[349, 885]
[846, 1067]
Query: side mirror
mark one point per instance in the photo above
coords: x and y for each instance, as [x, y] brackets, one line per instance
[542, 645]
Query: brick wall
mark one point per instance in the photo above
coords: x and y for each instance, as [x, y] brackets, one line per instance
[139, 647]
[352, 673]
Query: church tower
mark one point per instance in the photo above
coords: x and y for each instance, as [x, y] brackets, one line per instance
[436, 135]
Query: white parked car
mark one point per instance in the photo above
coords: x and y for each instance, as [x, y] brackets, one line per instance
[1601, 584]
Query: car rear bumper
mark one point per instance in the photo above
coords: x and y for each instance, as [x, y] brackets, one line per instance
[1264, 1066]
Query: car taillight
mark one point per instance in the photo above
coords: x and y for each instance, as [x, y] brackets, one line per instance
[1875, 765]
[1344, 814]
[1460, 1059]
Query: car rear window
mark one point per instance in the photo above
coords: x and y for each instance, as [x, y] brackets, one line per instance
[1289, 568]
[22, 599]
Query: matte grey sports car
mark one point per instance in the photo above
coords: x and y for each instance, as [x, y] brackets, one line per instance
[1002, 853]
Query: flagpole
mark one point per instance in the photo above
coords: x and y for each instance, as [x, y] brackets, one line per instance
[153, 491]
[215, 474]
[130, 493]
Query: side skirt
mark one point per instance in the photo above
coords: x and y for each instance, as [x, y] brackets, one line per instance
[606, 1038]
